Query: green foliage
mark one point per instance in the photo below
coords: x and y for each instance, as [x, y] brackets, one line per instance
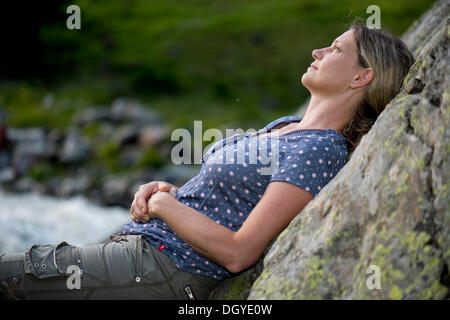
[228, 63]
[108, 155]
[42, 171]
[231, 49]
[29, 105]
[150, 158]
[91, 130]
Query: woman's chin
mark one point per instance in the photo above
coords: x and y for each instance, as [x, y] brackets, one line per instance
[306, 79]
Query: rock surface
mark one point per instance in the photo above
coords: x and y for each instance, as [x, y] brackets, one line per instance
[387, 211]
[105, 154]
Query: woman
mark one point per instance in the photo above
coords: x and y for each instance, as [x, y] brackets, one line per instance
[182, 242]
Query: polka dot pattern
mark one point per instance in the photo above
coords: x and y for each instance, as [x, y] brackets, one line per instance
[227, 191]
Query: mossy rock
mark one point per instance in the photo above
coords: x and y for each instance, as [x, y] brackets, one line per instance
[386, 210]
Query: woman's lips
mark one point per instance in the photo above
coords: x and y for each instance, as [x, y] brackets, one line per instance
[313, 66]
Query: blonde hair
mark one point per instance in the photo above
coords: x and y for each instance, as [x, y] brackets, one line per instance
[390, 60]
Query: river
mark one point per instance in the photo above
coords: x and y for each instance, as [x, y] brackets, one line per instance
[32, 218]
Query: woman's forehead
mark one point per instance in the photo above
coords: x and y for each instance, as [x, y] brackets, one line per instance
[347, 39]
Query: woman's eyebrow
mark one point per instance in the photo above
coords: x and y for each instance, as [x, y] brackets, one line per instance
[337, 42]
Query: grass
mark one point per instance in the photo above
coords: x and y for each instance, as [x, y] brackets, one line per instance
[234, 64]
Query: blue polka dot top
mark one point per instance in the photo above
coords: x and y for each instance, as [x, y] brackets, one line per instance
[234, 174]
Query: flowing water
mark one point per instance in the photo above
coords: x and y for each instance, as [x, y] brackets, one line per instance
[31, 218]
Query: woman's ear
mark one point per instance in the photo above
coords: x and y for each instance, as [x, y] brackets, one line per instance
[362, 78]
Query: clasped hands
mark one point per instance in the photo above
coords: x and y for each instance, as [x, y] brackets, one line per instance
[149, 199]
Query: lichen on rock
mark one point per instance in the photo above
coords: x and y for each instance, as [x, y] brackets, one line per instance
[388, 207]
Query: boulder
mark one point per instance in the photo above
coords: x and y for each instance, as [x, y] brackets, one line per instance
[29, 147]
[126, 110]
[92, 115]
[153, 136]
[115, 190]
[75, 148]
[122, 110]
[381, 228]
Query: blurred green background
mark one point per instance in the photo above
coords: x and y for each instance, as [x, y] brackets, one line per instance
[216, 61]
[233, 64]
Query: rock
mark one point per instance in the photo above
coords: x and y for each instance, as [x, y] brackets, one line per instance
[125, 110]
[25, 184]
[29, 146]
[77, 184]
[146, 136]
[7, 175]
[116, 191]
[75, 148]
[237, 287]
[24, 158]
[387, 210]
[121, 111]
[129, 156]
[48, 101]
[418, 34]
[32, 136]
[3, 128]
[152, 136]
[92, 115]
[126, 134]
[5, 159]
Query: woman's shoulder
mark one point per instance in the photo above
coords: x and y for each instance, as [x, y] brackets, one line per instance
[326, 143]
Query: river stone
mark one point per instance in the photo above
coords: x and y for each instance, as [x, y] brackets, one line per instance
[126, 110]
[75, 148]
[387, 212]
[29, 147]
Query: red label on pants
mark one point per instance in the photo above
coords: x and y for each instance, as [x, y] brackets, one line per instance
[161, 247]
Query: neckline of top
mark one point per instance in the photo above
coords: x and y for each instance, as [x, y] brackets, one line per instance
[292, 119]
[298, 131]
[313, 130]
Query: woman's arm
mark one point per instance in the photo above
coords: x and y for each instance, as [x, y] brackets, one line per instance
[235, 251]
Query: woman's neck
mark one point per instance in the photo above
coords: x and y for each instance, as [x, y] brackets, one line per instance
[334, 112]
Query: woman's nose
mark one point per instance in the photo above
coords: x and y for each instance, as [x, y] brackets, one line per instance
[316, 54]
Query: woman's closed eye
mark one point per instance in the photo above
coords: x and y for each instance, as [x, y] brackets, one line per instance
[336, 48]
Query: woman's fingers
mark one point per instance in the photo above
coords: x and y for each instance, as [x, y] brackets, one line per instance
[144, 218]
[167, 187]
[139, 210]
[144, 193]
[164, 186]
[139, 206]
[133, 210]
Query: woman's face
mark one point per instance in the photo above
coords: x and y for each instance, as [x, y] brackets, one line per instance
[334, 67]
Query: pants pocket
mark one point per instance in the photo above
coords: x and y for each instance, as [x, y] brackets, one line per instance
[52, 261]
[134, 243]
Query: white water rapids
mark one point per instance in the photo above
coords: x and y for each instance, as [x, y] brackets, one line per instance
[31, 218]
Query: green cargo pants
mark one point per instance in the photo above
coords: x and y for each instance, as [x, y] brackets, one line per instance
[127, 267]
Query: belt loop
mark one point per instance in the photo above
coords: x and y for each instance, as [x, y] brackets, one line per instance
[118, 237]
[55, 263]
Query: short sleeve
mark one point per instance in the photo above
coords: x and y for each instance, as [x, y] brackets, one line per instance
[309, 166]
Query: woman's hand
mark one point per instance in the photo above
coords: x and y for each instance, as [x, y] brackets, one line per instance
[159, 203]
[139, 210]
